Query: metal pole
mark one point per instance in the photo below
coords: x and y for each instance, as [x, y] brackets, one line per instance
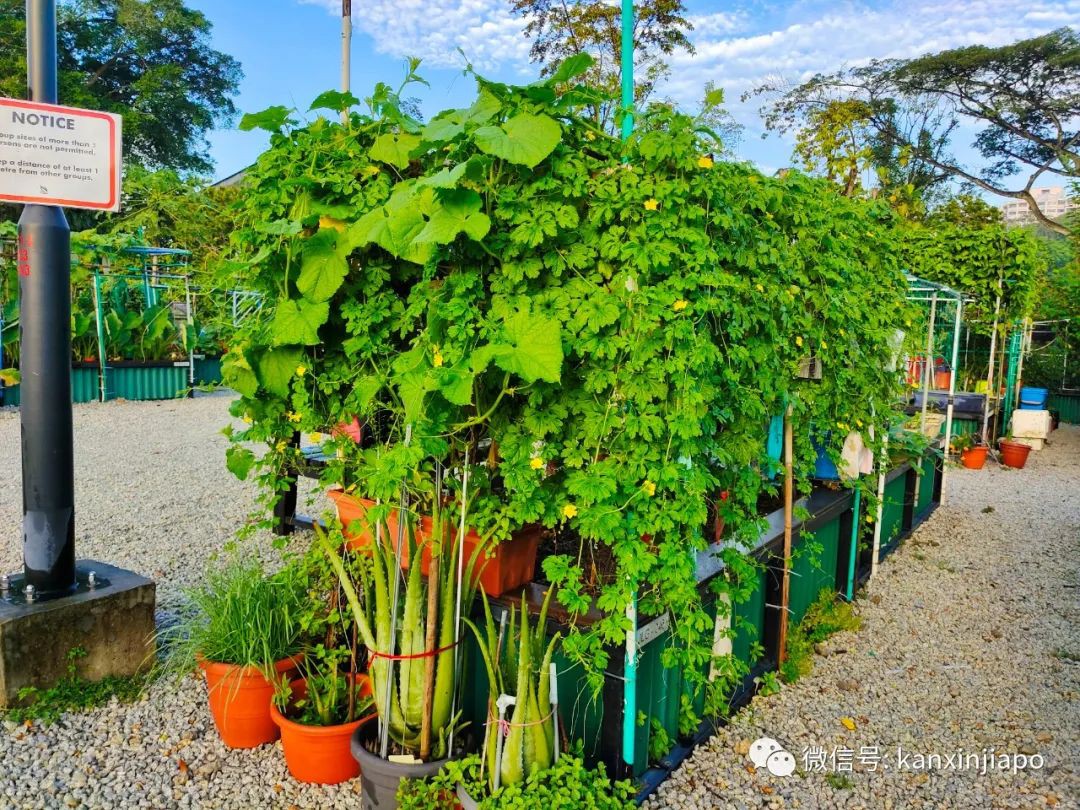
[48, 475]
[928, 371]
[630, 661]
[789, 494]
[990, 389]
[190, 324]
[952, 394]
[883, 467]
[102, 386]
[346, 52]
[853, 554]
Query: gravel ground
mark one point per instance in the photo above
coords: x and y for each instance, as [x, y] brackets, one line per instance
[970, 640]
[152, 495]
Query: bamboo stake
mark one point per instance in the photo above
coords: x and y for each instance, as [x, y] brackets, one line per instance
[457, 602]
[789, 486]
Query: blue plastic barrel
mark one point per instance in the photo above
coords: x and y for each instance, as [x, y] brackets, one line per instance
[824, 469]
[1033, 399]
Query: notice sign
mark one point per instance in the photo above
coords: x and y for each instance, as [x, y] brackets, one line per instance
[52, 155]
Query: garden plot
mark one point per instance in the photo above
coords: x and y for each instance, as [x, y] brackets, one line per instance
[970, 640]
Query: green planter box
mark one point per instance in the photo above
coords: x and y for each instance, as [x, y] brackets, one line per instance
[927, 486]
[208, 371]
[84, 387]
[894, 506]
[1067, 406]
[148, 381]
[811, 572]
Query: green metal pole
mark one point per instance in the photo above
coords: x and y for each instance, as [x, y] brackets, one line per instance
[1012, 363]
[630, 664]
[854, 545]
[102, 387]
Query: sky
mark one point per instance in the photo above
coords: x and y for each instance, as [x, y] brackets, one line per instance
[290, 49]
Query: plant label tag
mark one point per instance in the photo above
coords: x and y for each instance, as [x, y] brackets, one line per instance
[63, 156]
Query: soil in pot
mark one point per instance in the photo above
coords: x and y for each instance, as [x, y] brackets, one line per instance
[379, 778]
[973, 457]
[1014, 454]
[320, 754]
[240, 699]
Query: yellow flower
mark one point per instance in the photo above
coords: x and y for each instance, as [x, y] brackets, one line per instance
[842, 425]
[759, 287]
[649, 487]
[705, 162]
[301, 371]
[371, 171]
[437, 358]
[292, 416]
[858, 423]
[824, 345]
[248, 419]
[590, 136]
[536, 463]
[315, 437]
[798, 340]
[281, 446]
[569, 511]
[842, 333]
[651, 204]
[869, 518]
[680, 305]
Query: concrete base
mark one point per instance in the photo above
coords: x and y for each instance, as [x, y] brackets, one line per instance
[112, 621]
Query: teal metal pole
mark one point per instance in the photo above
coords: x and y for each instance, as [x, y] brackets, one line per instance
[854, 545]
[102, 383]
[630, 665]
[627, 68]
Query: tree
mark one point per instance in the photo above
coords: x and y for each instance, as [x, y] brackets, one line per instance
[562, 28]
[967, 211]
[148, 60]
[1023, 99]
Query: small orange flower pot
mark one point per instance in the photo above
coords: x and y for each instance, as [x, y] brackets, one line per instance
[501, 566]
[240, 701]
[320, 754]
[1014, 454]
[973, 457]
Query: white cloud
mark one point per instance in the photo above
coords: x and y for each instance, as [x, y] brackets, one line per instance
[485, 30]
[811, 40]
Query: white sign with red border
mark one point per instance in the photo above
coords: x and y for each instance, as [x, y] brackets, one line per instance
[53, 155]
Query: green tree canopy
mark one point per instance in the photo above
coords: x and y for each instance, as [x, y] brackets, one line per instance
[151, 62]
[1022, 99]
[560, 29]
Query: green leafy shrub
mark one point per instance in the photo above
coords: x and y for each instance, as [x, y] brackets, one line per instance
[566, 785]
[602, 329]
[827, 616]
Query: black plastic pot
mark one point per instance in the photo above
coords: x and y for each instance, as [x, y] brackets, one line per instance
[379, 778]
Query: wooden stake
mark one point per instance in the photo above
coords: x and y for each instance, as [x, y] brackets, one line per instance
[789, 487]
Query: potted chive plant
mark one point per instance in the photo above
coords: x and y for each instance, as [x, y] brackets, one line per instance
[243, 630]
[318, 714]
[411, 642]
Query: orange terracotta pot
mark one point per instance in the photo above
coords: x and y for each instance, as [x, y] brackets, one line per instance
[500, 567]
[320, 754]
[973, 458]
[1014, 454]
[240, 701]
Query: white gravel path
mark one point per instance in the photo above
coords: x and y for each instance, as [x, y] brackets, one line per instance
[967, 640]
[970, 640]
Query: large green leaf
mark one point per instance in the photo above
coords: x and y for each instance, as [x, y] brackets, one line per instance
[571, 68]
[272, 119]
[456, 211]
[298, 322]
[394, 148]
[334, 100]
[526, 139]
[239, 460]
[535, 347]
[237, 373]
[277, 367]
[322, 266]
[393, 226]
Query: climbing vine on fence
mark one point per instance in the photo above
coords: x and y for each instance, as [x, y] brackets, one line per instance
[602, 329]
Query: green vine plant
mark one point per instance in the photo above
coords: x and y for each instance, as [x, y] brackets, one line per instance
[598, 331]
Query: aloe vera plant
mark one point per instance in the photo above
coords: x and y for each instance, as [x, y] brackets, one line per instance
[516, 656]
[421, 688]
